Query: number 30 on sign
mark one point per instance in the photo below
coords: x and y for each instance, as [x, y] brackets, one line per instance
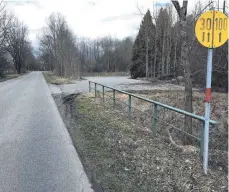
[212, 29]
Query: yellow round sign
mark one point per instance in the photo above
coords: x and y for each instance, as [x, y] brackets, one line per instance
[212, 29]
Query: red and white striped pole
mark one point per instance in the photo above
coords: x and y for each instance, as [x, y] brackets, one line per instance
[207, 109]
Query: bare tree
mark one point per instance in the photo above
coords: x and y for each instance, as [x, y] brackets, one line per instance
[59, 45]
[107, 45]
[17, 43]
[169, 40]
[105, 54]
[182, 12]
[5, 21]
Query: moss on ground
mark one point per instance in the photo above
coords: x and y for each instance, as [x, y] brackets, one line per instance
[120, 156]
[53, 79]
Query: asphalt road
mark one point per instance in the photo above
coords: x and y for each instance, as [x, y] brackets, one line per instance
[36, 152]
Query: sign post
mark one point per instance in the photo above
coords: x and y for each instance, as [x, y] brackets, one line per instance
[211, 31]
[207, 109]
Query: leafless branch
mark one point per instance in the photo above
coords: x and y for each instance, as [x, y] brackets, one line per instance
[203, 10]
[177, 6]
[139, 10]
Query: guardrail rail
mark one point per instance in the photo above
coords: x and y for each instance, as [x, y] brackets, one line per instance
[155, 110]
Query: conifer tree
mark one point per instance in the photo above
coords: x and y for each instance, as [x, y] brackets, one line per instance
[143, 48]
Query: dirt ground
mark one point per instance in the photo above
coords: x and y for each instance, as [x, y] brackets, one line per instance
[123, 155]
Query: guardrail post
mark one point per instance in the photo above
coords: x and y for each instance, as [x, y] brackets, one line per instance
[202, 141]
[113, 97]
[95, 90]
[129, 107]
[89, 86]
[155, 119]
[103, 93]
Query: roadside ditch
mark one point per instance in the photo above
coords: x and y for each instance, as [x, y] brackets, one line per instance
[119, 155]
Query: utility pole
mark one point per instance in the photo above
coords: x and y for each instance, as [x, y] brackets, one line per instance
[224, 6]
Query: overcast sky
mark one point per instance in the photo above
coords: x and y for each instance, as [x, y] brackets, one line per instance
[89, 18]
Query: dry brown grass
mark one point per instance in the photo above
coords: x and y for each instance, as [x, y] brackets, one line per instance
[106, 74]
[142, 114]
[53, 79]
[13, 76]
[10, 76]
[120, 155]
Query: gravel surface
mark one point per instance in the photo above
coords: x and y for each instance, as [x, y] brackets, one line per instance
[36, 152]
[119, 82]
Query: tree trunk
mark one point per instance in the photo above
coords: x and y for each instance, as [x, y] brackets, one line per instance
[78, 70]
[168, 55]
[155, 55]
[19, 68]
[108, 62]
[151, 63]
[155, 46]
[187, 79]
[147, 56]
[182, 11]
[163, 56]
[175, 58]
[169, 42]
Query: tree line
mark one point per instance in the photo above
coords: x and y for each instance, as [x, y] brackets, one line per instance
[156, 52]
[16, 52]
[157, 49]
[60, 50]
[68, 55]
[106, 54]
[164, 49]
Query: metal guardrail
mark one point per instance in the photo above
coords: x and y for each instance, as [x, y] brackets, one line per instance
[155, 111]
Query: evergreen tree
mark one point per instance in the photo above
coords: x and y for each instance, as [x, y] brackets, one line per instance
[137, 68]
[162, 29]
[142, 54]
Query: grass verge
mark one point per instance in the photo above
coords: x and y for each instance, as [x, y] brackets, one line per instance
[11, 76]
[106, 74]
[53, 79]
[219, 112]
[120, 156]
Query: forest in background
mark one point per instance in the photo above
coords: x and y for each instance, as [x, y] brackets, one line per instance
[164, 48]
[16, 52]
[155, 52]
[157, 48]
[68, 55]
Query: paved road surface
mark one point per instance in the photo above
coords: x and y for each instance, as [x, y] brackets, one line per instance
[36, 153]
[119, 82]
[122, 82]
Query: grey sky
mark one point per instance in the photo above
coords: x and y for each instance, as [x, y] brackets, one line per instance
[89, 18]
